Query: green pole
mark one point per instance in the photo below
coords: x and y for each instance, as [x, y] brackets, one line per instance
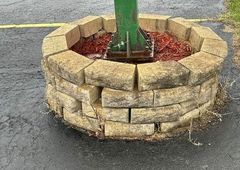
[129, 36]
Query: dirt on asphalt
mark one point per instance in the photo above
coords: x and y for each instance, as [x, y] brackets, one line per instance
[30, 137]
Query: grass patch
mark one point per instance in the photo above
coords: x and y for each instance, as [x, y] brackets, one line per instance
[232, 16]
[234, 10]
[232, 19]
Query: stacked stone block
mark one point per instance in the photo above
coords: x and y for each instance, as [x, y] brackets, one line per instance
[119, 100]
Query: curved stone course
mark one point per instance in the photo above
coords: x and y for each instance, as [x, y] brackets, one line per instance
[119, 100]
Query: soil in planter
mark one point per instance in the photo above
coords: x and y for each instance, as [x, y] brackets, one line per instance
[167, 47]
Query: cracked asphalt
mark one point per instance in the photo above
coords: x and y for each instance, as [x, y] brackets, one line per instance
[30, 138]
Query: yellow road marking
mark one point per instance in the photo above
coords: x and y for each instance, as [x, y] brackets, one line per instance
[40, 25]
[48, 25]
[200, 20]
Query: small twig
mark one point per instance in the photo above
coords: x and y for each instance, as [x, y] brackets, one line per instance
[194, 142]
[227, 86]
[219, 116]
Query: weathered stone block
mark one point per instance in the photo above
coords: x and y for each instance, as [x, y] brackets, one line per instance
[202, 66]
[215, 47]
[84, 122]
[194, 114]
[85, 93]
[111, 74]
[153, 23]
[49, 77]
[70, 32]
[55, 106]
[89, 25]
[112, 114]
[155, 115]
[54, 45]
[90, 110]
[52, 101]
[158, 75]
[206, 107]
[198, 34]
[176, 95]
[109, 23]
[99, 34]
[69, 65]
[206, 91]
[168, 126]
[180, 27]
[68, 102]
[214, 89]
[119, 98]
[183, 120]
[189, 105]
[115, 129]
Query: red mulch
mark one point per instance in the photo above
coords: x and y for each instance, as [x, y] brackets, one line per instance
[167, 47]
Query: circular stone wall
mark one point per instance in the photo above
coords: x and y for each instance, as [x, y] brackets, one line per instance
[118, 100]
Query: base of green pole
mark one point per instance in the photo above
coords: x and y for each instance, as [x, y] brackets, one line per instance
[129, 41]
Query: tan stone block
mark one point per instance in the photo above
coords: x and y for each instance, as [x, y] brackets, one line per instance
[50, 91]
[183, 121]
[158, 75]
[198, 34]
[68, 102]
[206, 107]
[205, 96]
[153, 23]
[180, 27]
[202, 66]
[89, 25]
[206, 91]
[55, 106]
[69, 65]
[215, 47]
[83, 122]
[109, 23]
[176, 95]
[189, 105]
[214, 90]
[49, 77]
[69, 31]
[155, 115]
[52, 101]
[194, 114]
[100, 34]
[110, 74]
[54, 45]
[116, 129]
[127, 99]
[111, 114]
[169, 126]
[90, 110]
[209, 82]
[85, 93]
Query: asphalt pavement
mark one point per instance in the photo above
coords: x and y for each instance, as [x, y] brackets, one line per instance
[31, 138]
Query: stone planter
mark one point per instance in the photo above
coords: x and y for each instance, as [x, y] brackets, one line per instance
[119, 100]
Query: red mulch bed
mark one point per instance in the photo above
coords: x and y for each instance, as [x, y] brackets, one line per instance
[167, 47]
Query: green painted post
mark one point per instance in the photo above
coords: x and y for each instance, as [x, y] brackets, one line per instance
[129, 37]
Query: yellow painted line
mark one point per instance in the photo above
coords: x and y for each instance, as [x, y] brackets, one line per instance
[40, 25]
[200, 20]
[48, 25]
